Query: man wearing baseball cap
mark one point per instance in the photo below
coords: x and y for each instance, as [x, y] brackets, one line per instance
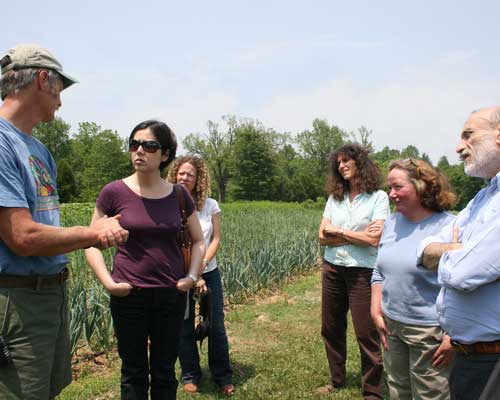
[34, 336]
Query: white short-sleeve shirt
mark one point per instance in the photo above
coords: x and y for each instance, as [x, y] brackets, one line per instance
[210, 208]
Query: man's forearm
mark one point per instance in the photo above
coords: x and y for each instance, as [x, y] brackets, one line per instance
[45, 240]
[433, 252]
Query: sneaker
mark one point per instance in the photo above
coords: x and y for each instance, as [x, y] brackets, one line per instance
[190, 387]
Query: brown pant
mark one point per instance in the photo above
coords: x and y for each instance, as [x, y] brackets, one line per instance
[344, 289]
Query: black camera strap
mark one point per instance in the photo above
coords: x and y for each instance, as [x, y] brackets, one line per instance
[204, 327]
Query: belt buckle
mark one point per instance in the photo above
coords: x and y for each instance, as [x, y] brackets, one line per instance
[459, 346]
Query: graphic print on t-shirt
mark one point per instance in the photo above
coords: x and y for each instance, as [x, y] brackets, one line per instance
[47, 196]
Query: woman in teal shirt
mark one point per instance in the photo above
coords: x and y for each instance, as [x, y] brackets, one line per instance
[350, 229]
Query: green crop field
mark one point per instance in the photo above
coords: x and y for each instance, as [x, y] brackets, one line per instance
[263, 244]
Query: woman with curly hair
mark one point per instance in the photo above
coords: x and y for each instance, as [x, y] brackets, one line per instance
[417, 351]
[350, 229]
[192, 173]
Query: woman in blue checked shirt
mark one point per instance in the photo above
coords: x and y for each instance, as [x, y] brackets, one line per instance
[350, 231]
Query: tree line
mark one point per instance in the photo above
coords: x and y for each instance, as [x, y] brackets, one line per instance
[247, 161]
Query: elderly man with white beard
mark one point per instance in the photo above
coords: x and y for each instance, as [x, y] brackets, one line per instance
[467, 256]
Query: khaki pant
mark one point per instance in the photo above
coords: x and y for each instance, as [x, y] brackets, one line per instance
[34, 325]
[408, 363]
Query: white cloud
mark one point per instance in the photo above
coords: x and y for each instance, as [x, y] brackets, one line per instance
[119, 100]
[427, 110]
[424, 106]
[269, 53]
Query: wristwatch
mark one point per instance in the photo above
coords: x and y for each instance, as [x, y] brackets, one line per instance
[205, 262]
[193, 277]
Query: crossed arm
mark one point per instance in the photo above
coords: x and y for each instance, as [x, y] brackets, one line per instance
[469, 265]
[332, 235]
[433, 252]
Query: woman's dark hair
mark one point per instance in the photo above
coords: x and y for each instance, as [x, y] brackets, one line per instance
[163, 134]
[367, 178]
[431, 186]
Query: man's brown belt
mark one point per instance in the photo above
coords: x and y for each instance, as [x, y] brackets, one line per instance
[33, 281]
[477, 348]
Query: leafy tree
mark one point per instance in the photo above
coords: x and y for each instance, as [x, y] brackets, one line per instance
[425, 157]
[314, 147]
[443, 163]
[66, 184]
[386, 155]
[316, 144]
[55, 135]
[99, 157]
[465, 186]
[246, 160]
[216, 148]
[288, 165]
[254, 163]
[362, 136]
[410, 152]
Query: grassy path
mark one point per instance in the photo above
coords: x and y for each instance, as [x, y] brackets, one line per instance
[276, 351]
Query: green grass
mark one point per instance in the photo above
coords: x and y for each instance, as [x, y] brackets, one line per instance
[276, 352]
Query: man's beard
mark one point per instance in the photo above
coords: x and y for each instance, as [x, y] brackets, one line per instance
[485, 162]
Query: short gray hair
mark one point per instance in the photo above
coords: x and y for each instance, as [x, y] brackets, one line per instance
[15, 80]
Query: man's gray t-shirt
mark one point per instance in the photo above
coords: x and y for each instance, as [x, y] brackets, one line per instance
[28, 180]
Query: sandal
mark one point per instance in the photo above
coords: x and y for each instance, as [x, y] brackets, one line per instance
[227, 390]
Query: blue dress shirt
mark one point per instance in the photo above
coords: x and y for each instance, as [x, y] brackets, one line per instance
[468, 304]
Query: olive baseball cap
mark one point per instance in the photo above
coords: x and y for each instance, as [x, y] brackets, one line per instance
[34, 56]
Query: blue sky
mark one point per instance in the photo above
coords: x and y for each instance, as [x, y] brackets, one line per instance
[410, 72]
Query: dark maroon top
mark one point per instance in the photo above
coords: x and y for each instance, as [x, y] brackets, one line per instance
[151, 257]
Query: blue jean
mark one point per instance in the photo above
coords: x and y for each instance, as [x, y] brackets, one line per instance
[492, 388]
[218, 348]
[155, 315]
[470, 374]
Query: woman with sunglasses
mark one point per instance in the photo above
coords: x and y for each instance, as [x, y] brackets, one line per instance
[417, 351]
[148, 285]
[192, 173]
[350, 229]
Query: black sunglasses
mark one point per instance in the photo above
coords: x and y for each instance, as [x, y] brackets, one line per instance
[149, 146]
[410, 161]
[413, 163]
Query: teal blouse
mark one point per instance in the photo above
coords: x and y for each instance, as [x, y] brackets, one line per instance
[355, 216]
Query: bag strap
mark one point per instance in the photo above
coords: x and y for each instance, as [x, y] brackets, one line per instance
[181, 198]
